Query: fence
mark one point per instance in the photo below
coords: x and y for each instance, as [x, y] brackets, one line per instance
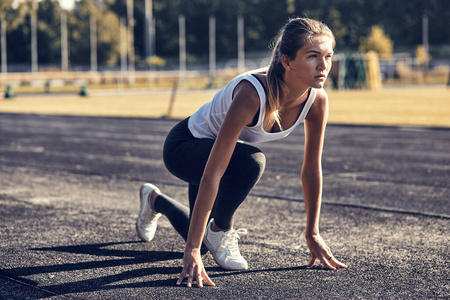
[403, 68]
[349, 71]
[45, 81]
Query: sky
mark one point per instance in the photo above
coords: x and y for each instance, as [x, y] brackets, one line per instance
[66, 4]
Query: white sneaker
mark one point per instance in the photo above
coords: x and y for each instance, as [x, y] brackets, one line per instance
[224, 247]
[148, 218]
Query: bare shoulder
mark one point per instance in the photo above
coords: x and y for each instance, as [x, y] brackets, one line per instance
[319, 109]
[321, 98]
[246, 96]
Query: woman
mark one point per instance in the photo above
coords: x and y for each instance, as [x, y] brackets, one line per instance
[209, 151]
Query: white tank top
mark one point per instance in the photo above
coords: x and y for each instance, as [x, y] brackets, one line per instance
[207, 120]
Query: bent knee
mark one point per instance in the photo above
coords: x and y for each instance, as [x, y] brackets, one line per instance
[248, 167]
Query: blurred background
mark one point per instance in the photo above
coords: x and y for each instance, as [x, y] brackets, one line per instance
[132, 43]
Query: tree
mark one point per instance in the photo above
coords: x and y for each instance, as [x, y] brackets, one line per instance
[377, 41]
[350, 20]
[5, 5]
[18, 34]
[422, 57]
[108, 39]
[49, 33]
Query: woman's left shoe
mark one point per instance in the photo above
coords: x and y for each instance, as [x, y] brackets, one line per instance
[148, 218]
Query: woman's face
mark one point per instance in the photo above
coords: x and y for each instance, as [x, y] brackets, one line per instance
[312, 63]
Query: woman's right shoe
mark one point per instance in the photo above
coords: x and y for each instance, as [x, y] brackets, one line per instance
[223, 245]
[148, 218]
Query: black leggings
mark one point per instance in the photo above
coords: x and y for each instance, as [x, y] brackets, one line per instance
[185, 157]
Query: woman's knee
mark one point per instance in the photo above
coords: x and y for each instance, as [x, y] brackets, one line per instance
[248, 166]
[258, 164]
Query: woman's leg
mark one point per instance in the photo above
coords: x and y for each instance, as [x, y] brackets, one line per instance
[186, 157]
[182, 160]
[177, 213]
[243, 172]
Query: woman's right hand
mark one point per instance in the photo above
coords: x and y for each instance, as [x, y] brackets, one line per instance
[193, 267]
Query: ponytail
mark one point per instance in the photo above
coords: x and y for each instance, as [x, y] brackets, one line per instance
[276, 86]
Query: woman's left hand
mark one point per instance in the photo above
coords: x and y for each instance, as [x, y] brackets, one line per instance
[319, 250]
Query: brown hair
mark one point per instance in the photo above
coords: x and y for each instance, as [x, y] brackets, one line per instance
[294, 35]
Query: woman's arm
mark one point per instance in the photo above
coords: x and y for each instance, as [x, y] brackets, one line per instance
[311, 177]
[241, 112]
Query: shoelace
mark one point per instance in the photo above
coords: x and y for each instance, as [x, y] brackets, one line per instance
[230, 240]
